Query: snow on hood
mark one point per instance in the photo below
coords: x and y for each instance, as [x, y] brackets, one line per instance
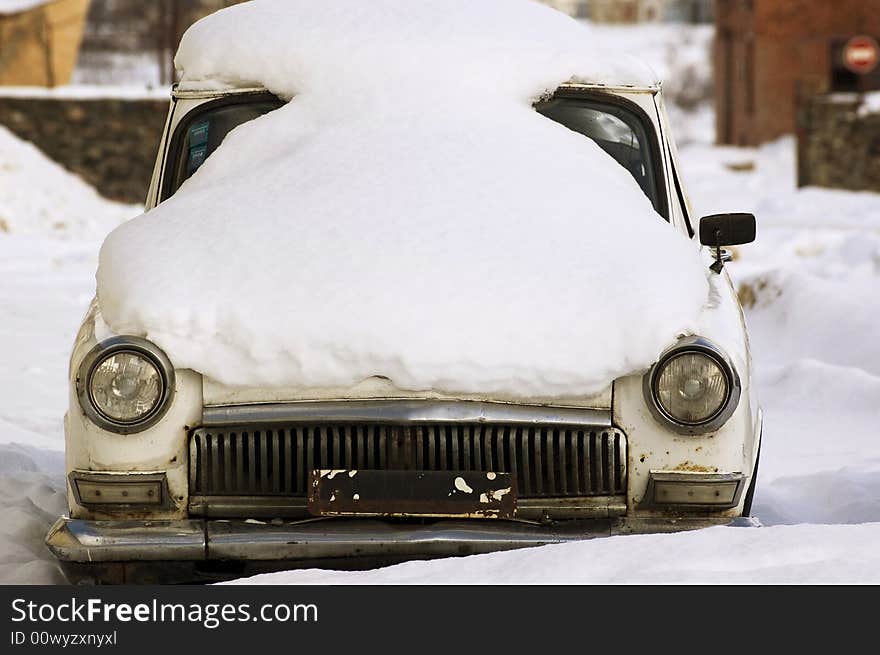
[407, 215]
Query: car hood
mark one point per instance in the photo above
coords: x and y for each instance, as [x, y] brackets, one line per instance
[375, 388]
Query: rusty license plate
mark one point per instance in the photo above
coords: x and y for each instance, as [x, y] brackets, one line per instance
[469, 494]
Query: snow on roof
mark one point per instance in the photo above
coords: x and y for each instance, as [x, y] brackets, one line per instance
[517, 43]
[407, 215]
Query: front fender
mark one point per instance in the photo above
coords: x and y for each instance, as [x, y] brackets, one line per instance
[162, 448]
[654, 446]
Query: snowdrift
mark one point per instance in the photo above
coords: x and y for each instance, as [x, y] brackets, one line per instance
[408, 214]
[41, 198]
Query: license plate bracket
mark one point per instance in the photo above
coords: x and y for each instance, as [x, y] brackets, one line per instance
[460, 494]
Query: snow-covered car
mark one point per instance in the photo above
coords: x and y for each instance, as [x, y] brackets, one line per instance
[189, 460]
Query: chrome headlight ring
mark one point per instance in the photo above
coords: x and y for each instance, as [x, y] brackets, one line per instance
[125, 345]
[702, 346]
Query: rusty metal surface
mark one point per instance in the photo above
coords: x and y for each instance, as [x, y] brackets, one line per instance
[471, 494]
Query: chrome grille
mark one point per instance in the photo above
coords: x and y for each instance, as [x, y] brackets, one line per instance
[549, 461]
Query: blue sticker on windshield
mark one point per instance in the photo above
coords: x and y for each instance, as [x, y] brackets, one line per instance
[198, 133]
[197, 157]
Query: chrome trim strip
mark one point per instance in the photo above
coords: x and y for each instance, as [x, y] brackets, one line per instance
[619, 88]
[198, 94]
[207, 94]
[73, 540]
[269, 507]
[402, 411]
[248, 507]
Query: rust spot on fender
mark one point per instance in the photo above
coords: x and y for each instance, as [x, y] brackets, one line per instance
[690, 467]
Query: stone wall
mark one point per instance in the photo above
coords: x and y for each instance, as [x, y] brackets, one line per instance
[839, 142]
[110, 142]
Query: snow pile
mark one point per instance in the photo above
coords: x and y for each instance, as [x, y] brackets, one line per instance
[47, 284]
[495, 48]
[40, 197]
[721, 555]
[51, 224]
[870, 104]
[408, 214]
[32, 490]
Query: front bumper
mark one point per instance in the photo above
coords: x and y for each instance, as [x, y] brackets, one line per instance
[200, 550]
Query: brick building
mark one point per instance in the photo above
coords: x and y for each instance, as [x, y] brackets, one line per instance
[769, 53]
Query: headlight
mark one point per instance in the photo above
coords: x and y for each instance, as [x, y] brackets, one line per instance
[693, 387]
[125, 384]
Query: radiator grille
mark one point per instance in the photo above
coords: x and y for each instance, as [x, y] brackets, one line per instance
[549, 461]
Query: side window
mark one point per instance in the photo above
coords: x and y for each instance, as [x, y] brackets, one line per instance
[203, 130]
[619, 132]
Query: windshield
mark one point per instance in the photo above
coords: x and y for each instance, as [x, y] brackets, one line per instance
[202, 131]
[618, 130]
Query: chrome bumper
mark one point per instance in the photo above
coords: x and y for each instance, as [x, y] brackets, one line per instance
[73, 540]
[122, 541]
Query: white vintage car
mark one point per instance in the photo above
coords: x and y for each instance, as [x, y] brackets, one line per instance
[176, 477]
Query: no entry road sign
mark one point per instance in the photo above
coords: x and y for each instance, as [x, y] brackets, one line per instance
[861, 54]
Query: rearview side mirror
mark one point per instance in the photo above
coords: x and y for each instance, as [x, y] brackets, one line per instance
[719, 230]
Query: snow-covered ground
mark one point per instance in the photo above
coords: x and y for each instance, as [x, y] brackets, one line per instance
[51, 226]
[809, 285]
